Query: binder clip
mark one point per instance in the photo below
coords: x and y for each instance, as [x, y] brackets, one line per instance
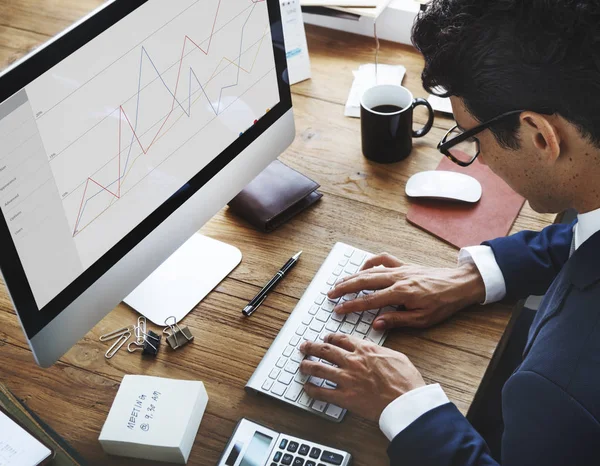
[178, 336]
[149, 346]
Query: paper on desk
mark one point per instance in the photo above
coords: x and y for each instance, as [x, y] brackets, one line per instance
[364, 78]
[440, 104]
[17, 446]
[296, 49]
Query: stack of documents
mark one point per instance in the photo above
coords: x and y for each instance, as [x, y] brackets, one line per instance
[368, 76]
[367, 8]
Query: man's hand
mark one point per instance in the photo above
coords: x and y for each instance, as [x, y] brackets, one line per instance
[428, 295]
[368, 377]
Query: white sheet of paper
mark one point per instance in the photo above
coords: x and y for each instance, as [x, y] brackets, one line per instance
[440, 104]
[296, 49]
[17, 446]
[365, 78]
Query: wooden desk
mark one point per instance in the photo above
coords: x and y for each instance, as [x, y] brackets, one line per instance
[364, 205]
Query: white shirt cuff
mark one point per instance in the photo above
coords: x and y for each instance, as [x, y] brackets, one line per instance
[485, 261]
[406, 409]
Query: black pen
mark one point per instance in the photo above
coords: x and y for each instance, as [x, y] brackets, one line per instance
[262, 294]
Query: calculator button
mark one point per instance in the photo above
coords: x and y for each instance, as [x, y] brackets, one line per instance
[273, 464]
[279, 454]
[298, 462]
[282, 444]
[334, 411]
[315, 453]
[292, 447]
[304, 449]
[287, 459]
[310, 463]
[332, 458]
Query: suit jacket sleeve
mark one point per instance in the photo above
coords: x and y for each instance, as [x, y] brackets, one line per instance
[543, 426]
[530, 261]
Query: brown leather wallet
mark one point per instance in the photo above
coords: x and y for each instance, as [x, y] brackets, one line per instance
[275, 196]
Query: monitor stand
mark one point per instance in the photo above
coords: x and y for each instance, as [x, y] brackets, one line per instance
[184, 279]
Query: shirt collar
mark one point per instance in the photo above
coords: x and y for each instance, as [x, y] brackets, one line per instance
[587, 225]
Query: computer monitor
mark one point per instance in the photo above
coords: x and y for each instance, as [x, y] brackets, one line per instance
[119, 139]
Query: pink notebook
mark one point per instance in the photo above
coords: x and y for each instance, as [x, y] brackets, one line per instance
[462, 224]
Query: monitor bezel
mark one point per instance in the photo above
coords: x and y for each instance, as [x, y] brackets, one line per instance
[17, 77]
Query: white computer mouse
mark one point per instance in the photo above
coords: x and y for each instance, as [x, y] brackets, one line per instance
[439, 184]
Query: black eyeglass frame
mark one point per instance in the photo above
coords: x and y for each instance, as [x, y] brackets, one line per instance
[444, 146]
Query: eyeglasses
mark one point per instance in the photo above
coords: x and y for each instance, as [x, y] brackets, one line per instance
[462, 147]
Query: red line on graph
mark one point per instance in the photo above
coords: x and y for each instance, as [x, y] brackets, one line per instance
[122, 113]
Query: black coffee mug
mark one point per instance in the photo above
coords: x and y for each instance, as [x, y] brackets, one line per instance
[386, 120]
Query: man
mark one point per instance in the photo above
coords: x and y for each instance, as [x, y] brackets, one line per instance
[524, 80]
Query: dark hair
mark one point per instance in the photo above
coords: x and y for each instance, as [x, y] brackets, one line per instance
[502, 55]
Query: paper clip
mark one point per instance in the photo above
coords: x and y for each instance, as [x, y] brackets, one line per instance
[140, 330]
[117, 345]
[179, 336]
[150, 346]
[116, 333]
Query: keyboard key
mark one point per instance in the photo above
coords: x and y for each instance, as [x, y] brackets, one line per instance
[295, 340]
[334, 411]
[349, 251]
[287, 352]
[297, 356]
[362, 328]
[329, 384]
[311, 335]
[325, 289]
[337, 271]
[300, 330]
[307, 319]
[292, 367]
[332, 458]
[349, 296]
[375, 336]
[357, 258]
[309, 463]
[331, 280]
[319, 406]
[323, 335]
[273, 464]
[301, 378]
[352, 318]
[315, 453]
[279, 454]
[313, 309]
[347, 328]
[316, 381]
[351, 268]
[285, 378]
[278, 389]
[281, 362]
[267, 385]
[343, 262]
[282, 445]
[303, 450]
[317, 326]
[334, 326]
[294, 391]
[322, 316]
[367, 318]
[372, 311]
[387, 310]
[337, 317]
[287, 459]
[328, 305]
[293, 447]
[304, 399]
[298, 462]
[319, 299]
[274, 373]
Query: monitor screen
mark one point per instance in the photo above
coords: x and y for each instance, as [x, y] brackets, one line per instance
[109, 129]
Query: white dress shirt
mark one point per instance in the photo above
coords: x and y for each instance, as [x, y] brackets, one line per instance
[406, 409]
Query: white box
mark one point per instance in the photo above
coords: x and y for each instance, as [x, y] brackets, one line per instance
[154, 418]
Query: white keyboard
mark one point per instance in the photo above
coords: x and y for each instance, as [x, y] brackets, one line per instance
[278, 373]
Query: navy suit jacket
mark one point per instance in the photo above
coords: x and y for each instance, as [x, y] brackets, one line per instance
[551, 403]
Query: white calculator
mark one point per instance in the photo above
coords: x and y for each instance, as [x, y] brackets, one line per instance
[254, 445]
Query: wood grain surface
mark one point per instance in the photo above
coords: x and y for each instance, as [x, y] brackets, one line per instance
[364, 205]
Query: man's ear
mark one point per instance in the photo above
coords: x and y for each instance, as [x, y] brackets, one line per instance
[542, 134]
